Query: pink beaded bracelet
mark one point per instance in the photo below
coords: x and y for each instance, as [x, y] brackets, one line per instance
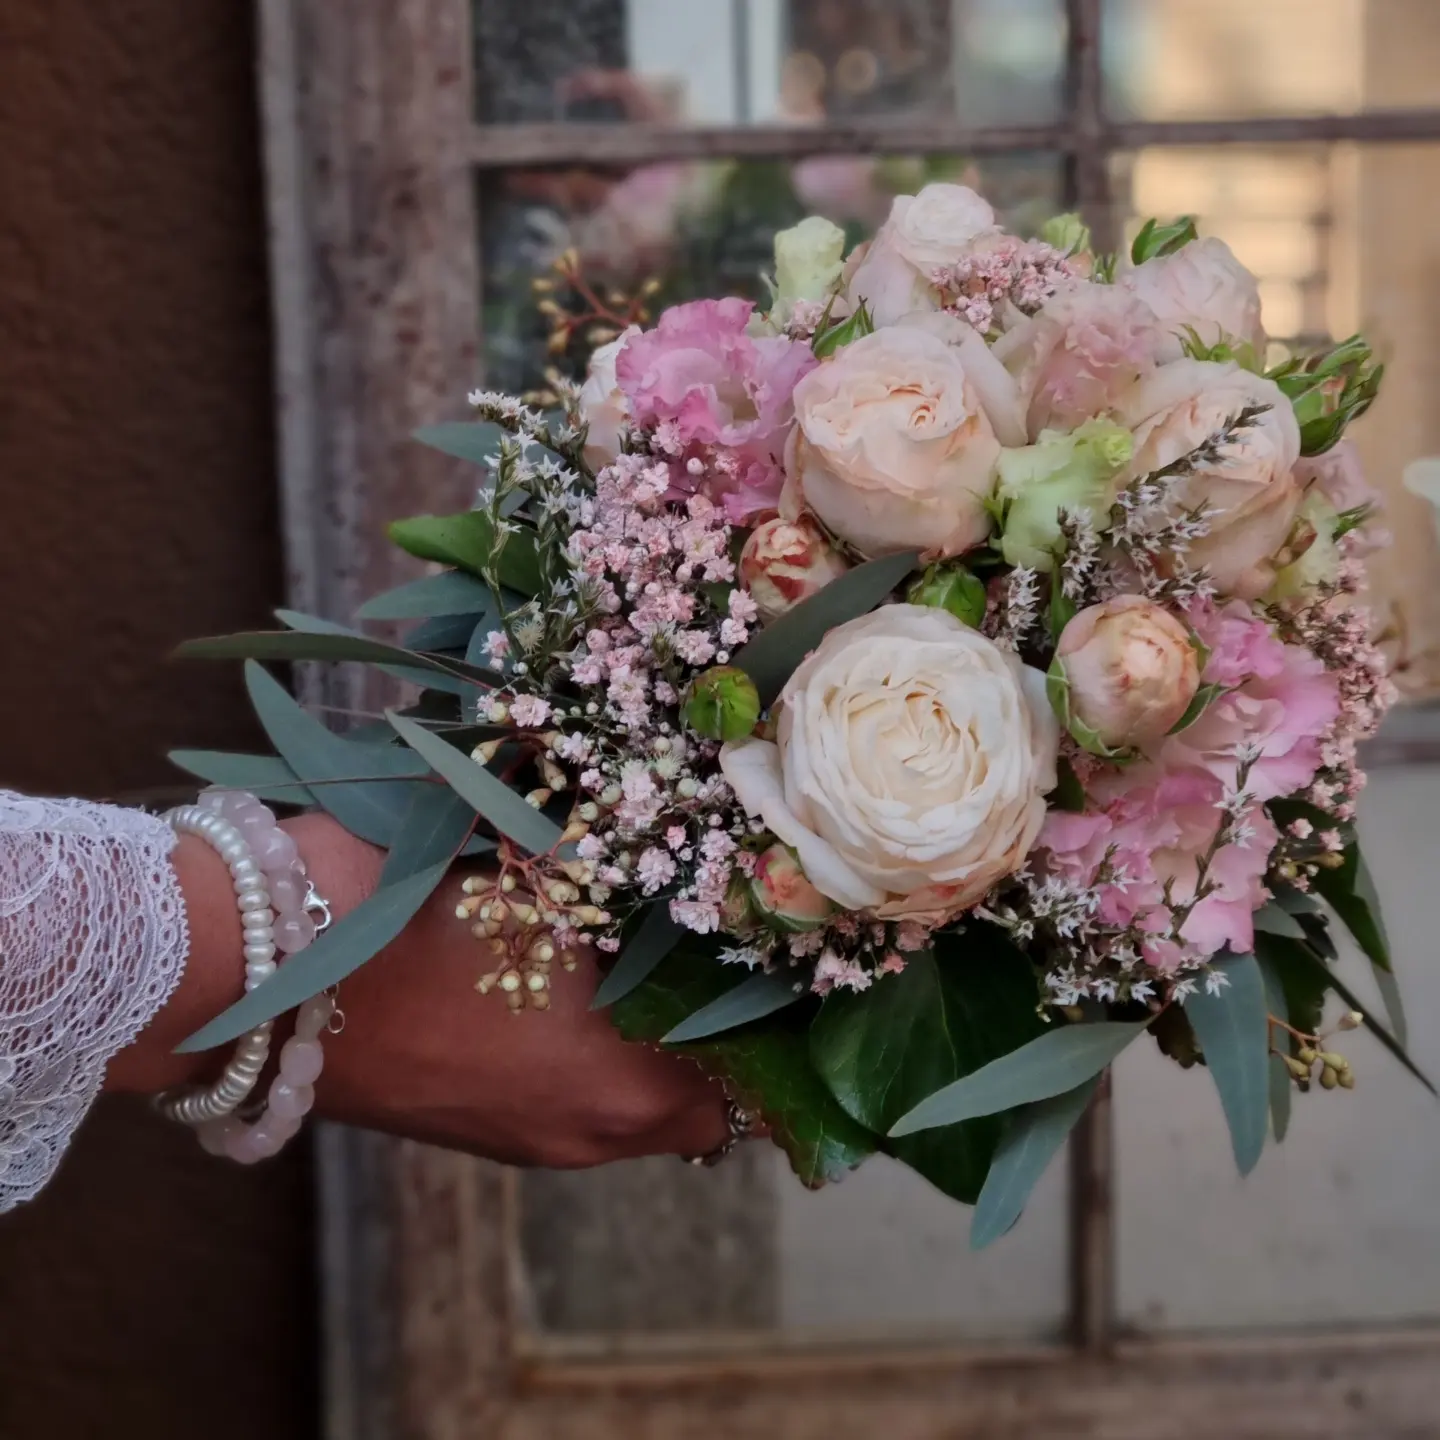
[276, 900]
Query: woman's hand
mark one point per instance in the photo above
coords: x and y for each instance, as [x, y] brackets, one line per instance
[422, 1054]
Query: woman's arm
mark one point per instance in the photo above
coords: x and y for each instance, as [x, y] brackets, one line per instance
[421, 1053]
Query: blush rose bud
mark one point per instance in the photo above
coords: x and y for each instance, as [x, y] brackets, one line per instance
[785, 562]
[723, 704]
[952, 588]
[1124, 674]
[783, 895]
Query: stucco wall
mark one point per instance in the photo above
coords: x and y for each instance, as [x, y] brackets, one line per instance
[151, 1292]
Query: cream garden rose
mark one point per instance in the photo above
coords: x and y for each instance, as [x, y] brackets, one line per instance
[1203, 286]
[603, 405]
[1130, 672]
[909, 767]
[925, 232]
[892, 447]
[1252, 489]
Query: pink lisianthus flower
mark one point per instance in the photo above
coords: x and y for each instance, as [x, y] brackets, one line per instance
[722, 396]
[1279, 697]
[1157, 832]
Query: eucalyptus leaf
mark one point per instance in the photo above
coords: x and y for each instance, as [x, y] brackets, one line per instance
[452, 592]
[765, 1065]
[1305, 958]
[652, 942]
[445, 632]
[314, 645]
[371, 809]
[436, 827]
[948, 1012]
[1350, 893]
[1050, 1065]
[1274, 919]
[1033, 1136]
[753, 998]
[1234, 1032]
[1281, 1085]
[327, 960]
[770, 658]
[266, 776]
[472, 440]
[467, 541]
[488, 795]
[1293, 901]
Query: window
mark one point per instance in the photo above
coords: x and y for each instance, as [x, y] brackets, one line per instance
[426, 158]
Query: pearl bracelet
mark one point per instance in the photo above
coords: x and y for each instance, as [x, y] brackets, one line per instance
[275, 901]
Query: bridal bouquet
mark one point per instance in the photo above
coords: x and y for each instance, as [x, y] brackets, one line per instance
[916, 691]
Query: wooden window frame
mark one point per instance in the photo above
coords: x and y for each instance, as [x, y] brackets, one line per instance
[371, 156]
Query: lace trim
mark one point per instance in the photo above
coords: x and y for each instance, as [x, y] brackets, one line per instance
[93, 940]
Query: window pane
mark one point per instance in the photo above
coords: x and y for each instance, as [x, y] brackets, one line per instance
[1337, 1226]
[703, 229]
[652, 1250]
[736, 62]
[1207, 59]
[1342, 238]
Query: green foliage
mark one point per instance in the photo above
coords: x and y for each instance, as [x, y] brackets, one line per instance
[334, 954]
[1329, 390]
[1157, 238]
[468, 542]
[770, 658]
[944, 1016]
[488, 796]
[951, 587]
[656, 936]
[834, 337]
[755, 997]
[766, 1064]
[371, 808]
[452, 592]
[1033, 1135]
[1233, 1029]
[266, 776]
[1057, 1061]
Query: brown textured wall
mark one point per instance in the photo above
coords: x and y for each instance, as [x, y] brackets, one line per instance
[150, 1292]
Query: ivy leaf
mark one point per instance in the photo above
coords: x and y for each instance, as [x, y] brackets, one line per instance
[1032, 1137]
[486, 794]
[770, 658]
[1234, 1033]
[942, 1017]
[467, 541]
[766, 1065]
[371, 808]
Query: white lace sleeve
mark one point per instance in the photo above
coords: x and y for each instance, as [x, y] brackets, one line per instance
[93, 939]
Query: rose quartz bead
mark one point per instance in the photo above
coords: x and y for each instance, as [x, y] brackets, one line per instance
[293, 932]
[287, 893]
[250, 1144]
[274, 850]
[212, 800]
[301, 1061]
[235, 805]
[216, 1135]
[256, 824]
[277, 1130]
[314, 1015]
[290, 1102]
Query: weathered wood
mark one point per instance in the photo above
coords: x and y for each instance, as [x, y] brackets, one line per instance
[500, 147]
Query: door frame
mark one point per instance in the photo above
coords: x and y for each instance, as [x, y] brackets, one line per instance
[371, 157]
